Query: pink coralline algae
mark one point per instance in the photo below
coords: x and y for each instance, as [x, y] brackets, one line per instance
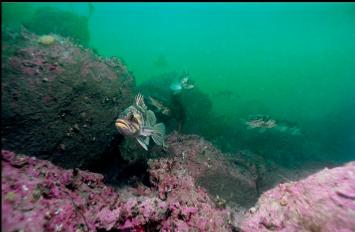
[324, 201]
[212, 169]
[199, 156]
[189, 204]
[38, 196]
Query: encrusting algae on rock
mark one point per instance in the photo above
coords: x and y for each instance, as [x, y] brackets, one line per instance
[324, 201]
[55, 199]
[50, 197]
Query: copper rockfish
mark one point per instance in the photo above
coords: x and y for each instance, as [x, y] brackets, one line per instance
[138, 122]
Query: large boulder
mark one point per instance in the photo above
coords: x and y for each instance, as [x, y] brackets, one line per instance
[59, 100]
[324, 201]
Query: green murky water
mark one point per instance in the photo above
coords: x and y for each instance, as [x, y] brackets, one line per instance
[294, 62]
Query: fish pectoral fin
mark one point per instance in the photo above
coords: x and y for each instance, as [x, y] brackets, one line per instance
[147, 131]
[158, 134]
[142, 143]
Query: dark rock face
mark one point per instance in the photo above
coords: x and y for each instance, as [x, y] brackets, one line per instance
[59, 100]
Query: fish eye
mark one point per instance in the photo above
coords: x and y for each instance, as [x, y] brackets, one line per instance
[131, 117]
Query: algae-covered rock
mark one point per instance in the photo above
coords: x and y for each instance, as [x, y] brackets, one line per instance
[44, 197]
[213, 170]
[59, 102]
[324, 201]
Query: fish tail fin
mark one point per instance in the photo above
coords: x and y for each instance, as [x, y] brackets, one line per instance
[159, 134]
[242, 121]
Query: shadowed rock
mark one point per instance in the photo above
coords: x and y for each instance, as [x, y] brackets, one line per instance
[59, 101]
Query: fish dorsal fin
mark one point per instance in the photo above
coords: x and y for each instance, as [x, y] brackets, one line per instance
[151, 119]
[159, 134]
[142, 143]
[140, 102]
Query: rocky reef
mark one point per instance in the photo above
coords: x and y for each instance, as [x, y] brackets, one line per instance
[65, 167]
[59, 99]
[38, 195]
[324, 201]
[213, 170]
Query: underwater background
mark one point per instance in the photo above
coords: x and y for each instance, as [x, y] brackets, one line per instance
[293, 62]
[245, 105]
[290, 61]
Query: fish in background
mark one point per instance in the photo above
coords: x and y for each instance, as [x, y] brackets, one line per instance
[260, 122]
[183, 83]
[265, 122]
[160, 107]
[140, 123]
